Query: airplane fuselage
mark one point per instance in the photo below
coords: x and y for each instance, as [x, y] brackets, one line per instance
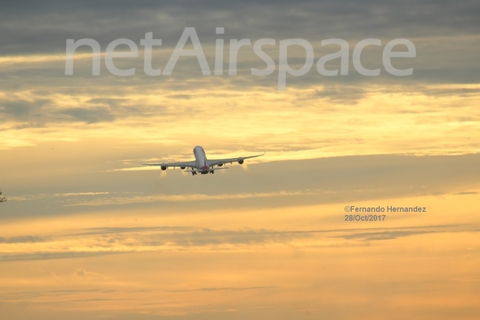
[201, 160]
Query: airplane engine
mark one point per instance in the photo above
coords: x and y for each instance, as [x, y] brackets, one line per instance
[221, 164]
[240, 161]
[163, 168]
[182, 168]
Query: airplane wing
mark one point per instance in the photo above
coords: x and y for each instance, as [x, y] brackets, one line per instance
[211, 169]
[220, 162]
[183, 165]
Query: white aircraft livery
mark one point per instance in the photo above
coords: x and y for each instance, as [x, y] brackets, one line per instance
[201, 164]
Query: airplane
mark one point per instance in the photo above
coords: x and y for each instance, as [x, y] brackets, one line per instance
[201, 164]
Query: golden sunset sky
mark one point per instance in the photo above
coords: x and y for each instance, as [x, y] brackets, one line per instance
[87, 232]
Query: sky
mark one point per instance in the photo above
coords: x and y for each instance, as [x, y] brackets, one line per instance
[87, 232]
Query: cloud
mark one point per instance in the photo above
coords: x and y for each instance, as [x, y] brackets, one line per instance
[88, 115]
[41, 196]
[82, 273]
[464, 193]
[130, 240]
[106, 21]
[54, 255]
[340, 94]
[115, 230]
[101, 250]
[189, 197]
[271, 184]
[383, 235]
[19, 109]
[430, 25]
[211, 289]
[24, 239]
[164, 237]
[116, 240]
[40, 112]
[206, 237]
